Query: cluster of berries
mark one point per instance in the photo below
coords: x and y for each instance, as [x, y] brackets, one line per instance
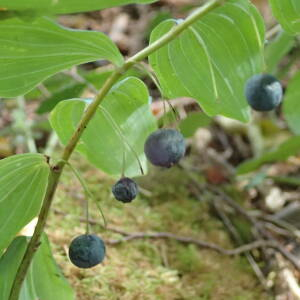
[163, 148]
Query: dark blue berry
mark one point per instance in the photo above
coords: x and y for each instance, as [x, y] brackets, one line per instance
[125, 190]
[263, 92]
[87, 251]
[165, 147]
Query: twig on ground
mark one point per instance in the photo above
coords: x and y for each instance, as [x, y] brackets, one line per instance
[226, 222]
[236, 236]
[277, 246]
[273, 31]
[186, 240]
[261, 230]
[257, 225]
[287, 276]
[289, 256]
[291, 282]
[199, 243]
[269, 219]
[77, 77]
[43, 89]
[277, 230]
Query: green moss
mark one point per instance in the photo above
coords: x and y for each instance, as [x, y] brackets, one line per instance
[188, 258]
[149, 269]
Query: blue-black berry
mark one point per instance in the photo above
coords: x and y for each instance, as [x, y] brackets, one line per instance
[165, 147]
[263, 92]
[125, 190]
[87, 251]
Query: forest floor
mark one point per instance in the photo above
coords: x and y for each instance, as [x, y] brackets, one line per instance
[149, 268]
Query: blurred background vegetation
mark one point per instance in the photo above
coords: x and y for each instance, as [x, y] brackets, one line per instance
[170, 201]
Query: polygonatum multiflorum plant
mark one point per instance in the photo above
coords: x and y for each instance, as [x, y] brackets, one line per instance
[216, 55]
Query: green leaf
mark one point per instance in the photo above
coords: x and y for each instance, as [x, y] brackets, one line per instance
[23, 180]
[287, 12]
[49, 282]
[129, 106]
[291, 104]
[44, 280]
[192, 122]
[289, 148]
[64, 6]
[9, 264]
[31, 52]
[277, 49]
[212, 60]
[159, 17]
[98, 77]
[71, 91]
[52, 85]
[63, 87]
